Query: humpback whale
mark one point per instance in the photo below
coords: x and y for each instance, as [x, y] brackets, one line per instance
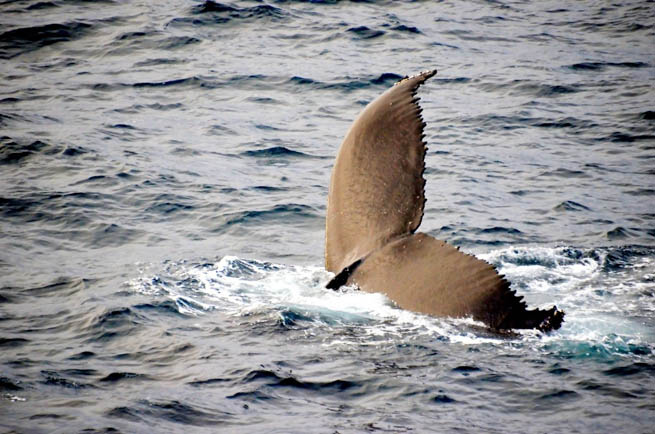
[375, 205]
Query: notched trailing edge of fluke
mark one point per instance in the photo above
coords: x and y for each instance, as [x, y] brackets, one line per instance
[375, 205]
[379, 170]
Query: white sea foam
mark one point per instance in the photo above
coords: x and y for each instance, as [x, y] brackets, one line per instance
[598, 311]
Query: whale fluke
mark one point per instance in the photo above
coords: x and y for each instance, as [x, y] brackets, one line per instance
[375, 205]
[376, 190]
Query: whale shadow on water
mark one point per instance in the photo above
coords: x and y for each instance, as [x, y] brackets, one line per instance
[375, 205]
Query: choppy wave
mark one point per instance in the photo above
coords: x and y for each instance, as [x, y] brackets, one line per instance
[20, 40]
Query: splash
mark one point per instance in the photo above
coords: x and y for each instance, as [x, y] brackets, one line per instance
[607, 309]
[603, 291]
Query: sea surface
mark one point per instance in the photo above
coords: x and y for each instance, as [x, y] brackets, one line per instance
[164, 171]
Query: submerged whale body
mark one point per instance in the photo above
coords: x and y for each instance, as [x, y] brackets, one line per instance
[375, 205]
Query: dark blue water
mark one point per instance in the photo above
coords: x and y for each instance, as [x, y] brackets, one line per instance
[163, 180]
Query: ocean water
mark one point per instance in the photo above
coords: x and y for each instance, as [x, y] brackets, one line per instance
[164, 169]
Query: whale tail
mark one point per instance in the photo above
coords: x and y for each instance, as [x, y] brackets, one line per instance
[544, 320]
[426, 275]
[375, 205]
